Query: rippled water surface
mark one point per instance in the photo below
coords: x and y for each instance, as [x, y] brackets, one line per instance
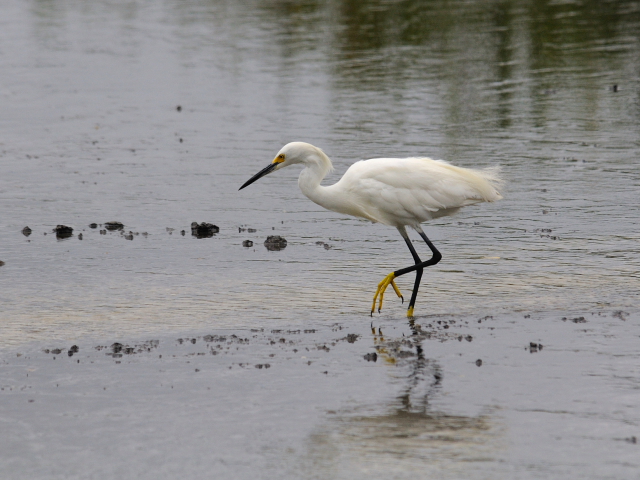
[153, 113]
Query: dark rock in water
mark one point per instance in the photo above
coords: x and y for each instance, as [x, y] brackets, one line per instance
[247, 243]
[93, 225]
[352, 337]
[103, 232]
[116, 347]
[79, 236]
[251, 230]
[26, 231]
[113, 226]
[479, 362]
[74, 349]
[203, 230]
[371, 357]
[275, 243]
[179, 108]
[129, 236]
[62, 231]
[182, 232]
[56, 351]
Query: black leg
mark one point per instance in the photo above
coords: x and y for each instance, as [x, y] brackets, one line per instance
[418, 267]
[419, 271]
[437, 256]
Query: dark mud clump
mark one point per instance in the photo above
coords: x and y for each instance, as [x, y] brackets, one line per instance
[204, 229]
[112, 226]
[275, 243]
[247, 243]
[62, 231]
[534, 347]
[575, 320]
[72, 350]
[26, 231]
[621, 315]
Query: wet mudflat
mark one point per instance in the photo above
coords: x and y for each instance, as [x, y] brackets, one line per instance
[127, 129]
[447, 397]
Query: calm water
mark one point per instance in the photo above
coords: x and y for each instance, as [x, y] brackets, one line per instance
[90, 132]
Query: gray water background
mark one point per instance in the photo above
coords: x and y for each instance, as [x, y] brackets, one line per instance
[90, 132]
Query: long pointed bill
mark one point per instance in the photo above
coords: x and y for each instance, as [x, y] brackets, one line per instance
[260, 174]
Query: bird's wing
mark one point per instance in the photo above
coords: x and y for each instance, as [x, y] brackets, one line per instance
[415, 189]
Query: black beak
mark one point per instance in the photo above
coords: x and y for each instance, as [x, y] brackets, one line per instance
[260, 174]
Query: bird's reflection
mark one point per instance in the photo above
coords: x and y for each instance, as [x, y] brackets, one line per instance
[424, 375]
[408, 433]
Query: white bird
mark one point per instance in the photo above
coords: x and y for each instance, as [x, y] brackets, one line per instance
[398, 192]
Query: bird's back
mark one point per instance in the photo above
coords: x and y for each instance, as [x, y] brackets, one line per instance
[408, 191]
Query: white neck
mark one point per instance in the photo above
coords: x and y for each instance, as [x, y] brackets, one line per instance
[316, 168]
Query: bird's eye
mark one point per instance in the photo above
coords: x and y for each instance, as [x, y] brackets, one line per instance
[281, 156]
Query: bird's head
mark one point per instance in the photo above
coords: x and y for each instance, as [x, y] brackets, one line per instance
[290, 154]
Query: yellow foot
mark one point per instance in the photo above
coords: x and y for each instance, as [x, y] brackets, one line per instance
[382, 286]
[410, 312]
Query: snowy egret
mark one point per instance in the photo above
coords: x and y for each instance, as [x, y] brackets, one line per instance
[398, 192]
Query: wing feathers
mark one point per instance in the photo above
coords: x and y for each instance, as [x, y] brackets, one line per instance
[412, 190]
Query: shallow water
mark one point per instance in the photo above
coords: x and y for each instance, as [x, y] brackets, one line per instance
[91, 132]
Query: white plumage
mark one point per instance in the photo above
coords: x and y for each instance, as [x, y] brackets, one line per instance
[397, 192]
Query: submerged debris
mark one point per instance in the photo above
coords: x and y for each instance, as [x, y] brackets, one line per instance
[204, 229]
[275, 243]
